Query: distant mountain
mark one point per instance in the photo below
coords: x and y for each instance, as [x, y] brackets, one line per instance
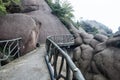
[92, 26]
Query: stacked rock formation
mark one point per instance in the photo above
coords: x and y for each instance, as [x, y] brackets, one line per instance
[97, 56]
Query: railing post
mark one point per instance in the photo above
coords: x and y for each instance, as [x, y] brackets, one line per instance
[68, 71]
[55, 63]
[71, 68]
[0, 63]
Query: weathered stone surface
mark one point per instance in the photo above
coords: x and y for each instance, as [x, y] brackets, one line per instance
[87, 52]
[85, 35]
[88, 76]
[100, 37]
[51, 25]
[94, 68]
[113, 42]
[99, 77]
[102, 62]
[78, 41]
[86, 57]
[107, 61]
[75, 34]
[100, 47]
[20, 25]
[30, 5]
[100, 58]
[77, 53]
[87, 41]
[93, 43]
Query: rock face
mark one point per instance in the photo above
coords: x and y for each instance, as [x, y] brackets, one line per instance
[98, 57]
[20, 25]
[107, 61]
[41, 12]
[28, 24]
[100, 37]
[51, 25]
[30, 5]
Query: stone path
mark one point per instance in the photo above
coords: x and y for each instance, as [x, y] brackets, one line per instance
[29, 67]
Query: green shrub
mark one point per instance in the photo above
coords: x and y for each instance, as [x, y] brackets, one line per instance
[9, 6]
[2, 8]
[62, 10]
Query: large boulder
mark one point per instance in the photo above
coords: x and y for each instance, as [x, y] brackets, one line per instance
[85, 58]
[94, 43]
[85, 35]
[30, 5]
[100, 61]
[20, 25]
[100, 37]
[78, 41]
[76, 54]
[100, 47]
[108, 63]
[113, 42]
[51, 25]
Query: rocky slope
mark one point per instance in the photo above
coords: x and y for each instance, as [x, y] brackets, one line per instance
[98, 57]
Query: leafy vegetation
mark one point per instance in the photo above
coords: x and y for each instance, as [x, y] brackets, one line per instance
[87, 27]
[2, 7]
[9, 6]
[63, 10]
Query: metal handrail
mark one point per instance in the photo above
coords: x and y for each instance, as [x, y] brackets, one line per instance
[62, 39]
[54, 50]
[9, 48]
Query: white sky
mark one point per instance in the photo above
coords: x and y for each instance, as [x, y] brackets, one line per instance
[103, 11]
